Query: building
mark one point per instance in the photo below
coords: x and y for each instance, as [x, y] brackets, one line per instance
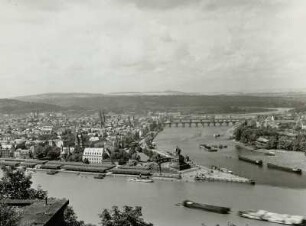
[22, 154]
[93, 155]
[303, 125]
[46, 129]
[6, 153]
[262, 142]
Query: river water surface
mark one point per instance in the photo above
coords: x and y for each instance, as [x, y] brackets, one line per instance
[275, 191]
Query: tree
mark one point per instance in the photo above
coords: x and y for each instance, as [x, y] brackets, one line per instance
[8, 216]
[86, 161]
[16, 185]
[158, 159]
[53, 152]
[128, 217]
[39, 152]
[71, 218]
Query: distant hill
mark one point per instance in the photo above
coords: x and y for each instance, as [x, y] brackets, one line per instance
[137, 102]
[10, 106]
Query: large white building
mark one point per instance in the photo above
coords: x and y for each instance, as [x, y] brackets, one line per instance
[94, 155]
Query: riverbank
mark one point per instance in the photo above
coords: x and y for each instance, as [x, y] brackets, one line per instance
[161, 196]
[158, 199]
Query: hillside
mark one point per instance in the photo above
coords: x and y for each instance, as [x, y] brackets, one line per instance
[10, 106]
[183, 103]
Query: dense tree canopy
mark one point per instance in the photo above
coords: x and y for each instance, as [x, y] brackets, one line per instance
[129, 216]
[16, 185]
[8, 216]
[249, 134]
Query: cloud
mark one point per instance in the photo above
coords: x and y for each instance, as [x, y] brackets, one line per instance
[133, 45]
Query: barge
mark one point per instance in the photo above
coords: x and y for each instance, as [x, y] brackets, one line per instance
[284, 168]
[264, 215]
[210, 208]
[143, 180]
[99, 176]
[209, 148]
[52, 172]
[245, 159]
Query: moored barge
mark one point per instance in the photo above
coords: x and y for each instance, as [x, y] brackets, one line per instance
[99, 176]
[264, 215]
[210, 208]
[52, 172]
[245, 159]
[284, 168]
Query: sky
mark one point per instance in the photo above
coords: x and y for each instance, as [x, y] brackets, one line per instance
[204, 46]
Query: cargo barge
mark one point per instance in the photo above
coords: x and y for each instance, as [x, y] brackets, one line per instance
[284, 168]
[245, 159]
[264, 215]
[210, 208]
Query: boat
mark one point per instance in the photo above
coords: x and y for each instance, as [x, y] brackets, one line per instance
[143, 180]
[270, 153]
[224, 170]
[209, 148]
[213, 150]
[99, 176]
[245, 159]
[205, 146]
[264, 215]
[52, 172]
[284, 168]
[210, 208]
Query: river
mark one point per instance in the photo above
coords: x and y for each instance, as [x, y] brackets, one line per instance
[275, 191]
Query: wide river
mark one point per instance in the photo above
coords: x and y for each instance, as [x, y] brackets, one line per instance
[275, 191]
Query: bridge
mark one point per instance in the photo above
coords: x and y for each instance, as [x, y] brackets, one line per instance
[204, 121]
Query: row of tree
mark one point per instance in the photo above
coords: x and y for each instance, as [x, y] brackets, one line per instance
[248, 134]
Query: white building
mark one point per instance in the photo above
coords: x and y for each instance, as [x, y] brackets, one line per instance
[303, 125]
[94, 155]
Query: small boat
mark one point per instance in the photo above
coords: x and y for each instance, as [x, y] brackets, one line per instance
[224, 170]
[205, 146]
[99, 176]
[284, 168]
[209, 148]
[210, 208]
[52, 172]
[270, 153]
[213, 150]
[217, 135]
[245, 159]
[264, 215]
[143, 180]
